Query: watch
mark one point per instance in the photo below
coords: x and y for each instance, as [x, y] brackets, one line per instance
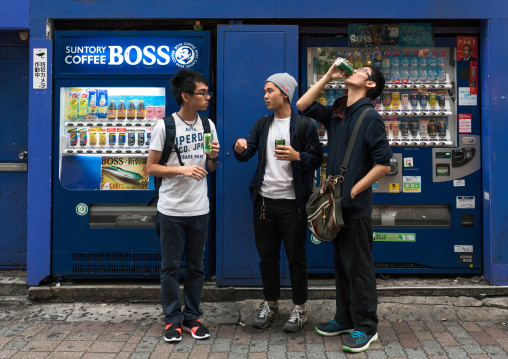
[213, 160]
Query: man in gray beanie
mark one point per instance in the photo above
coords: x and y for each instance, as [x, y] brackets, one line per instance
[279, 190]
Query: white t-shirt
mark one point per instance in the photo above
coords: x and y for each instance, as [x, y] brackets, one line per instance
[278, 179]
[179, 195]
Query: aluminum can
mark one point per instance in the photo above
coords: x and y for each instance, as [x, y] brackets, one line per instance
[344, 66]
[423, 127]
[395, 129]
[83, 136]
[92, 134]
[431, 129]
[73, 136]
[441, 100]
[121, 136]
[395, 100]
[415, 97]
[423, 100]
[131, 137]
[281, 142]
[102, 138]
[441, 127]
[207, 143]
[432, 99]
[387, 129]
[141, 137]
[404, 128]
[413, 128]
[387, 100]
[405, 100]
[112, 137]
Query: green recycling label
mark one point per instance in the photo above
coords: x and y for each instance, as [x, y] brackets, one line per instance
[412, 183]
[81, 209]
[394, 237]
[314, 239]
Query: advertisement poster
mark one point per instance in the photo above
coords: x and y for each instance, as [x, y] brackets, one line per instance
[124, 173]
[467, 48]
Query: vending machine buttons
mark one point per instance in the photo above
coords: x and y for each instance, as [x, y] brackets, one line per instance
[469, 140]
[442, 169]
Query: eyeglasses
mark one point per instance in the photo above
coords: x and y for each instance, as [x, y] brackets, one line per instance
[364, 70]
[209, 94]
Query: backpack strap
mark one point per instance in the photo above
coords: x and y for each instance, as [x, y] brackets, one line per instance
[351, 144]
[302, 131]
[261, 124]
[206, 123]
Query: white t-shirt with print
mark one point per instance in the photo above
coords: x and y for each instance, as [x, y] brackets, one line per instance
[179, 195]
[278, 179]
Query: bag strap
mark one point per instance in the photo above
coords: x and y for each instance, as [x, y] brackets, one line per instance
[351, 144]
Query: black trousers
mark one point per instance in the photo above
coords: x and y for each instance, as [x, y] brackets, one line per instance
[281, 224]
[355, 276]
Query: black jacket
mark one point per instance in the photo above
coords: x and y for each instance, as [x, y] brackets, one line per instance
[371, 147]
[311, 157]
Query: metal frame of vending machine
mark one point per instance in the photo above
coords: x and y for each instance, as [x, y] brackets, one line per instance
[102, 226]
[427, 210]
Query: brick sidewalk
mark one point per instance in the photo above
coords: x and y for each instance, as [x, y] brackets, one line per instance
[28, 339]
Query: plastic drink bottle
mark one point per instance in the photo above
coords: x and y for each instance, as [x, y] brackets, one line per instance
[431, 73]
[422, 66]
[329, 61]
[441, 67]
[385, 65]
[140, 111]
[131, 111]
[395, 67]
[413, 67]
[122, 113]
[376, 59]
[404, 67]
[321, 65]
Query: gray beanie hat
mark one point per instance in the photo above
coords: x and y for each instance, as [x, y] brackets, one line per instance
[285, 82]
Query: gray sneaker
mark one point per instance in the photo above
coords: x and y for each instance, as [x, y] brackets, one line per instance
[265, 315]
[296, 320]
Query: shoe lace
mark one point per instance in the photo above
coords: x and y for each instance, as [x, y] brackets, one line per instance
[357, 334]
[265, 310]
[295, 316]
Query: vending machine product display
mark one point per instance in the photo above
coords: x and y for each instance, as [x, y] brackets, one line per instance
[426, 214]
[111, 88]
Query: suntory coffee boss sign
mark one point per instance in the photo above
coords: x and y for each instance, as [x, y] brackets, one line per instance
[129, 54]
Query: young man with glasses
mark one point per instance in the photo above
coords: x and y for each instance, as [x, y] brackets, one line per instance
[183, 206]
[355, 278]
[279, 190]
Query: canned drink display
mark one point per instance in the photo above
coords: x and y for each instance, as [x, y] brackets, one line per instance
[377, 104]
[281, 142]
[413, 128]
[121, 136]
[344, 66]
[387, 129]
[431, 129]
[160, 111]
[111, 137]
[207, 143]
[415, 97]
[423, 127]
[102, 137]
[404, 100]
[83, 136]
[432, 100]
[148, 136]
[92, 134]
[404, 128]
[423, 100]
[387, 99]
[131, 138]
[141, 137]
[441, 100]
[395, 128]
[150, 112]
[441, 127]
[395, 100]
[73, 136]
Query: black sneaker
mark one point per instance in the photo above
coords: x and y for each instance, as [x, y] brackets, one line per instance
[332, 329]
[265, 315]
[198, 330]
[359, 342]
[173, 332]
[296, 320]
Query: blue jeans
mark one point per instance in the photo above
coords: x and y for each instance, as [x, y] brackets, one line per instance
[172, 231]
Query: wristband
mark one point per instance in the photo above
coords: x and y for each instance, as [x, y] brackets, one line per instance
[213, 160]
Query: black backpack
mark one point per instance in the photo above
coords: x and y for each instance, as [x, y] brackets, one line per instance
[170, 145]
[301, 128]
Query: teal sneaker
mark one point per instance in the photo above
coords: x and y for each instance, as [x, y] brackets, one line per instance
[359, 342]
[332, 329]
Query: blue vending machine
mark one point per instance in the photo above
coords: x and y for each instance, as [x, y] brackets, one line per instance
[427, 210]
[111, 88]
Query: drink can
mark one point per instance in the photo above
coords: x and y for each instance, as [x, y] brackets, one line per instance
[404, 128]
[405, 100]
[432, 99]
[441, 100]
[141, 137]
[413, 128]
[160, 111]
[73, 136]
[344, 66]
[281, 142]
[387, 99]
[387, 129]
[441, 127]
[395, 100]
[423, 128]
[131, 138]
[83, 136]
[414, 99]
[92, 133]
[377, 104]
[431, 129]
[395, 129]
[121, 136]
[207, 143]
[102, 138]
[423, 100]
[148, 136]
[112, 137]
[150, 112]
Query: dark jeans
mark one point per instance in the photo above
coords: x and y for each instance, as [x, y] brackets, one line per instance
[355, 276]
[172, 231]
[281, 222]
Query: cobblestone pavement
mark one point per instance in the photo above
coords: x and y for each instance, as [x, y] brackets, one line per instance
[108, 336]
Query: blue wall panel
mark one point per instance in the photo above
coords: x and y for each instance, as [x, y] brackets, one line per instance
[14, 14]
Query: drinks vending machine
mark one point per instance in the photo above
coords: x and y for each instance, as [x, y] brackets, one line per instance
[111, 88]
[427, 209]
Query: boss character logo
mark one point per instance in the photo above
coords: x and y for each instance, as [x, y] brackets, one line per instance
[355, 40]
[185, 55]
